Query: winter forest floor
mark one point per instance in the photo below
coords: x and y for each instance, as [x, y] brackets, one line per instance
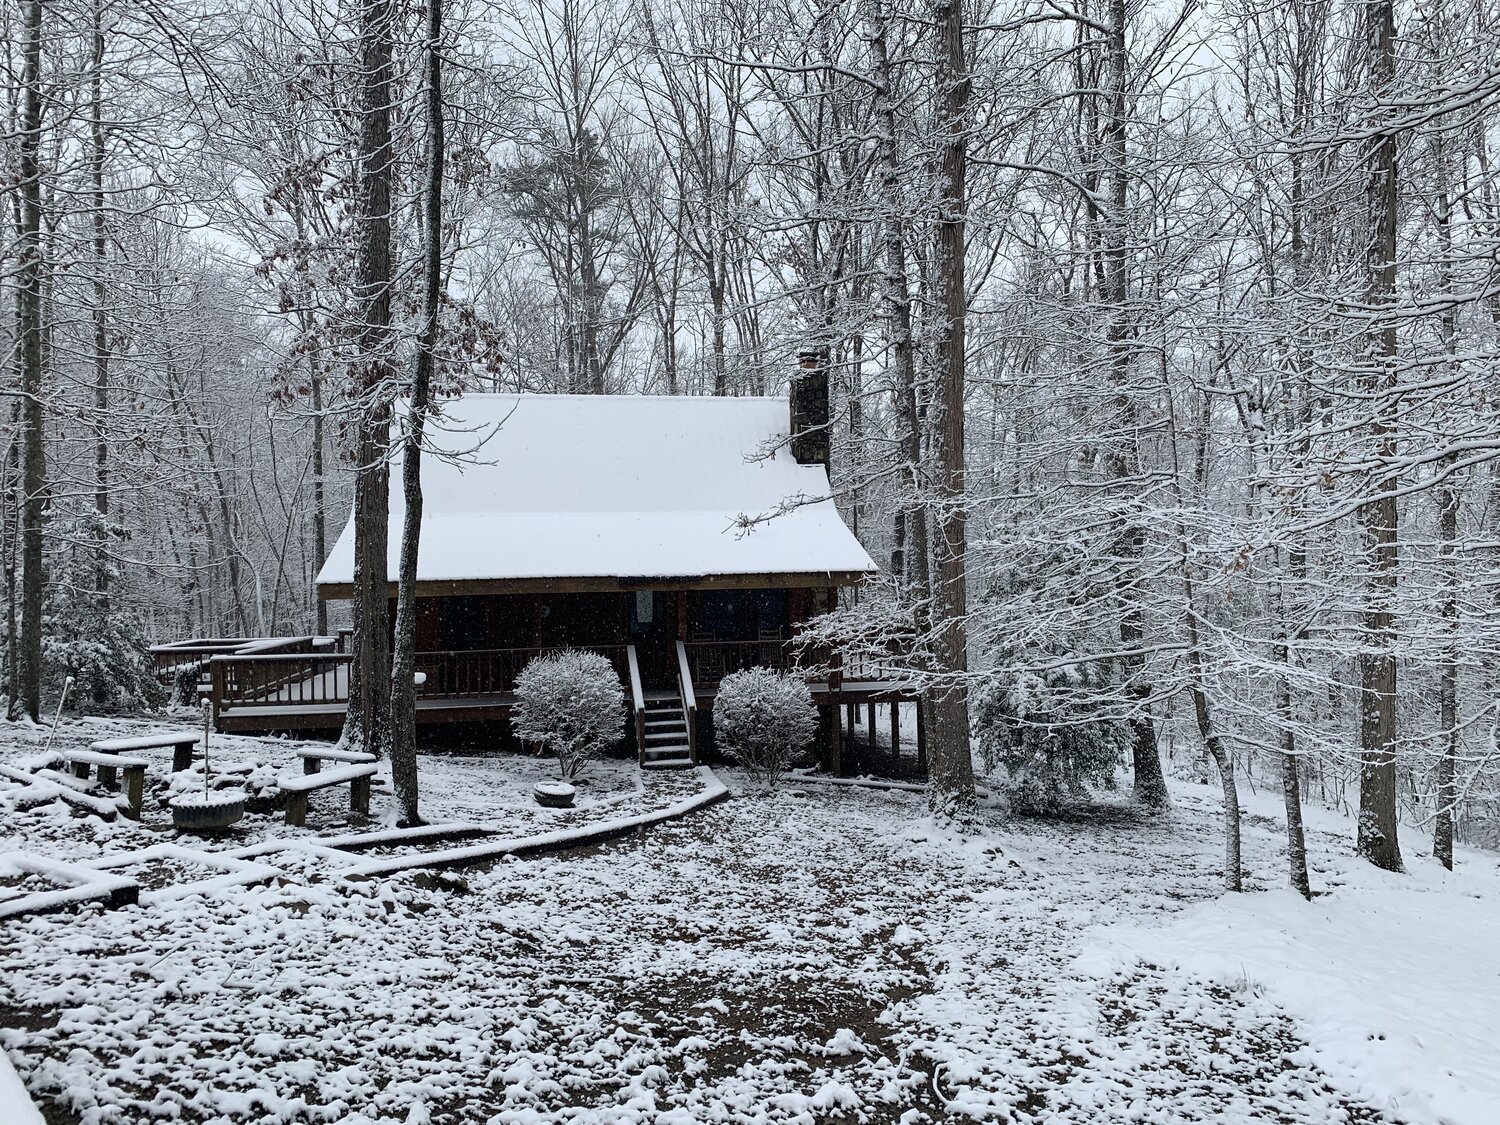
[817, 957]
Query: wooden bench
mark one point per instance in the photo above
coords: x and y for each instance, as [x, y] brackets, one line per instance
[134, 770]
[181, 742]
[313, 758]
[297, 789]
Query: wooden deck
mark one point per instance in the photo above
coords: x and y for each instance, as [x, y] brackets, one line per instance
[301, 685]
[293, 715]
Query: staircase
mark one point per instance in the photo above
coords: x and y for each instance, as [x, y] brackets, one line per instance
[667, 743]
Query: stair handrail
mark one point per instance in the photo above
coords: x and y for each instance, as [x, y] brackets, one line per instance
[689, 700]
[638, 701]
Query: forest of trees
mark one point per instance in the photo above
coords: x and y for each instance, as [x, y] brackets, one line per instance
[1163, 338]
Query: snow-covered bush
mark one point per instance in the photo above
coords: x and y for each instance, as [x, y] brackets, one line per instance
[572, 703]
[1051, 751]
[764, 719]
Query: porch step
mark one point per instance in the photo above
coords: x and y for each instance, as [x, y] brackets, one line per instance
[678, 721]
[667, 757]
[670, 737]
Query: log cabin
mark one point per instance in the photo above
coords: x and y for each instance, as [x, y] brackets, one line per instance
[682, 537]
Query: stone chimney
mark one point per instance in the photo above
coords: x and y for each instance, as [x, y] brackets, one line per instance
[809, 400]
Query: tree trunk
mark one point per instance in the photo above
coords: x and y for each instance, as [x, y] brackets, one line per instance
[33, 454]
[1124, 463]
[1233, 880]
[1377, 834]
[950, 765]
[100, 312]
[1291, 783]
[404, 665]
[1447, 497]
[367, 723]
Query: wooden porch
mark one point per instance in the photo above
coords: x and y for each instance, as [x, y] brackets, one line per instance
[302, 685]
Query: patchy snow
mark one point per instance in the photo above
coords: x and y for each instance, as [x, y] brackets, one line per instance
[817, 956]
[626, 486]
[1394, 979]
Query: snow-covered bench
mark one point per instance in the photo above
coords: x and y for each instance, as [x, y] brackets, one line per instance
[133, 769]
[181, 742]
[297, 789]
[313, 758]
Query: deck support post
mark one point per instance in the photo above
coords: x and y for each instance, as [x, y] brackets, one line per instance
[921, 735]
[835, 742]
[851, 717]
[216, 688]
[896, 729]
[870, 726]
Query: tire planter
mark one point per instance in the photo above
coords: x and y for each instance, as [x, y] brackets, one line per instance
[207, 812]
[553, 794]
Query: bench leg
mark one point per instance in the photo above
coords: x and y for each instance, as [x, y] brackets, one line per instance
[359, 795]
[81, 769]
[182, 756]
[107, 776]
[310, 766]
[135, 786]
[296, 809]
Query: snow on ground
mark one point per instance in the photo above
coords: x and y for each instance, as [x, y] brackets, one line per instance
[824, 955]
[1394, 979]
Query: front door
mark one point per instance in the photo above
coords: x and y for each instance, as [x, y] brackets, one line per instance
[653, 631]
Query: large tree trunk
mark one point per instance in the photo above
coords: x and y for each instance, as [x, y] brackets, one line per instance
[1447, 497]
[367, 723]
[33, 456]
[950, 765]
[100, 312]
[404, 665]
[1124, 463]
[1377, 833]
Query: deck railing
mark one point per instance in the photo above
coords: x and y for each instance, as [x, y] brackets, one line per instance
[708, 662]
[303, 672]
[637, 700]
[308, 678]
[689, 700]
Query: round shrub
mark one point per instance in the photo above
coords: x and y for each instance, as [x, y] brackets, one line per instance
[570, 702]
[764, 720]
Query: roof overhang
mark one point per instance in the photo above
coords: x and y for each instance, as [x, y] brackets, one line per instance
[596, 584]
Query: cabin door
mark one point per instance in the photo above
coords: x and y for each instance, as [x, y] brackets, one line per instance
[653, 631]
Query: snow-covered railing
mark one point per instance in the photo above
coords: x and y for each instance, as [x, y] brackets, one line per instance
[295, 679]
[320, 678]
[710, 661]
[637, 698]
[689, 699]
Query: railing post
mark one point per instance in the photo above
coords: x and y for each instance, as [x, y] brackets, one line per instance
[689, 700]
[216, 687]
[638, 702]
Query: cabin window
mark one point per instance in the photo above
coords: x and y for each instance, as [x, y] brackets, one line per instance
[462, 623]
[768, 613]
[721, 614]
[645, 607]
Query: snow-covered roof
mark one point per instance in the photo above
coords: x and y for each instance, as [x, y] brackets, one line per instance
[547, 487]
